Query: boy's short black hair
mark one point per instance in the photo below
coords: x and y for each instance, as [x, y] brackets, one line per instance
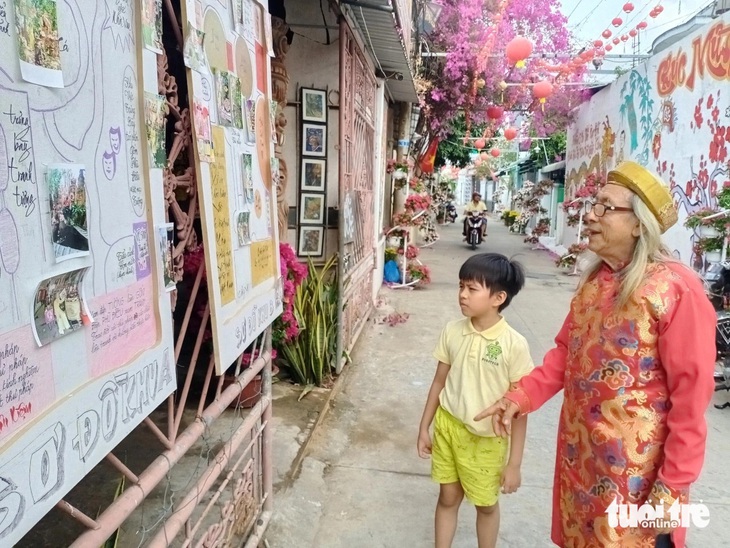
[495, 272]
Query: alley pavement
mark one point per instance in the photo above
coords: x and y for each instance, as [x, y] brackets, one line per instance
[361, 482]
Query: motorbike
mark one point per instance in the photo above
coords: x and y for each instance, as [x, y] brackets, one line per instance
[475, 222]
[451, 214]
[717, 281]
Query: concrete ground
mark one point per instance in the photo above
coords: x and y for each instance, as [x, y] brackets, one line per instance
[361, 483]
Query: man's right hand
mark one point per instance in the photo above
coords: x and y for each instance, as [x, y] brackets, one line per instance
[502, 414]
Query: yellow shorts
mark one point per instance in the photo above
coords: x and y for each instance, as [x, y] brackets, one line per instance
[474, 461]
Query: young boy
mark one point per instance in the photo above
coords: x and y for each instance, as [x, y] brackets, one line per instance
[479, 357]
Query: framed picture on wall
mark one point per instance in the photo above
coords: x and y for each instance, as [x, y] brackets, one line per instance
[311, 241]
[314, 105]
[314, 174]
[312, 208]
[314, 140]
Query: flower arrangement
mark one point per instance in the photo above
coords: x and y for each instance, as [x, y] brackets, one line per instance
[569, 259]
[708, 245]
[542, 228]
[293, 274]
[391, 254]
[417, 202]
[418, 272]
[411, 253]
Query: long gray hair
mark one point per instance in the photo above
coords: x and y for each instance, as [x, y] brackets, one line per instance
[649, 249]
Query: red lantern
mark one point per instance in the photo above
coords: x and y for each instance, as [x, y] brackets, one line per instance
[484, 156]
[542, 90]
[587, 55]
[606, 34]
[518, 49]
[494, 112]
[597, 43]
[633, 33]
[609, 47]
[617, 22]
[494, 152]
[510, 133]
[628, 7]
[616, 41]
[480, 144]
[624, 38]
[641, 26]
[659, 9]
[653, 13]
[478, 162]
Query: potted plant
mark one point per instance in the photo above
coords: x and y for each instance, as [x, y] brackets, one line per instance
[418, 272]
[706, 229]
[712, 248]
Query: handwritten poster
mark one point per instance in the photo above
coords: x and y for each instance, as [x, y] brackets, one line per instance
[124, 324]
[262, 261]
[222, 217]
[26, 380]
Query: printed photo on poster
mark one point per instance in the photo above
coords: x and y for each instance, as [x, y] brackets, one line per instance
[58, 307]
[312, 209]
[193, 53]
[314, 105]
[275, 172]
[268, 35]
[243, 228]
[155, 109]
[203, 136]
[311, 241]
[38, 42]
[273, 113]
[314, 173]
[314, 141]
[223, 98]
[165, 239]
[250, 114]
[69, 227]
[247, 177]
[152, 25]
[234, 85]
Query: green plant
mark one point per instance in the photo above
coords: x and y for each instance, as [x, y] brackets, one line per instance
[710, 244]
[311, 354]
[698, 217]
[723, 197]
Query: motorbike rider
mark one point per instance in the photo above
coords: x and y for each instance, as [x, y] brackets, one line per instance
[476, 204]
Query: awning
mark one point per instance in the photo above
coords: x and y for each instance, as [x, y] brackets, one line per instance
[377, 24]
[553, 167]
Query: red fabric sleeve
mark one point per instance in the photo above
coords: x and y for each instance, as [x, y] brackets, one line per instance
[545, 381]
[687, 352]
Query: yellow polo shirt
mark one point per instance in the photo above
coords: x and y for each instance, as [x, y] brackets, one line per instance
[483, 365]
[471, 206]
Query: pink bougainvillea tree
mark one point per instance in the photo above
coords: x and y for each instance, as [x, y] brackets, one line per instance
[476, 73]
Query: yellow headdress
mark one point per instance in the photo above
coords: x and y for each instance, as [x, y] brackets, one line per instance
[652, 191]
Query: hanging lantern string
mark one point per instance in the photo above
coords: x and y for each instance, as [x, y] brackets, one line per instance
[626, 26]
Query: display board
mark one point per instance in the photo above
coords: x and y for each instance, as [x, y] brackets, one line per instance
[669, 114]
[86, 339]
[227, 51]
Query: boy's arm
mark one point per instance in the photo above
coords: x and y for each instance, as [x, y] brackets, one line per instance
[432, 402]
[511, 476]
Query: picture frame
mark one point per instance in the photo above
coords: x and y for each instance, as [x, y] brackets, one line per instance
[314, 175]
[312, 208]
[311, 241]
[314, 105]
[314, 140]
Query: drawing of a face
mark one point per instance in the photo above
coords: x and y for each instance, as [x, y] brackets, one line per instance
[115, 139]
[109, 162]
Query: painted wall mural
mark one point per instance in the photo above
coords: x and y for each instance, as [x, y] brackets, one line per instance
[670, 114]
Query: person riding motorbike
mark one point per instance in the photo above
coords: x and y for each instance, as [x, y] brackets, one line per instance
[476, 204]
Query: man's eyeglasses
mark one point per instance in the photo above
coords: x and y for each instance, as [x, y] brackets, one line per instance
[599, 209]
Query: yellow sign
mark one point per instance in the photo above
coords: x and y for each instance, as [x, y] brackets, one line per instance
[262, 261]
[222, 218]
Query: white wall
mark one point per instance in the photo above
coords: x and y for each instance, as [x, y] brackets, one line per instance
[664, 119]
